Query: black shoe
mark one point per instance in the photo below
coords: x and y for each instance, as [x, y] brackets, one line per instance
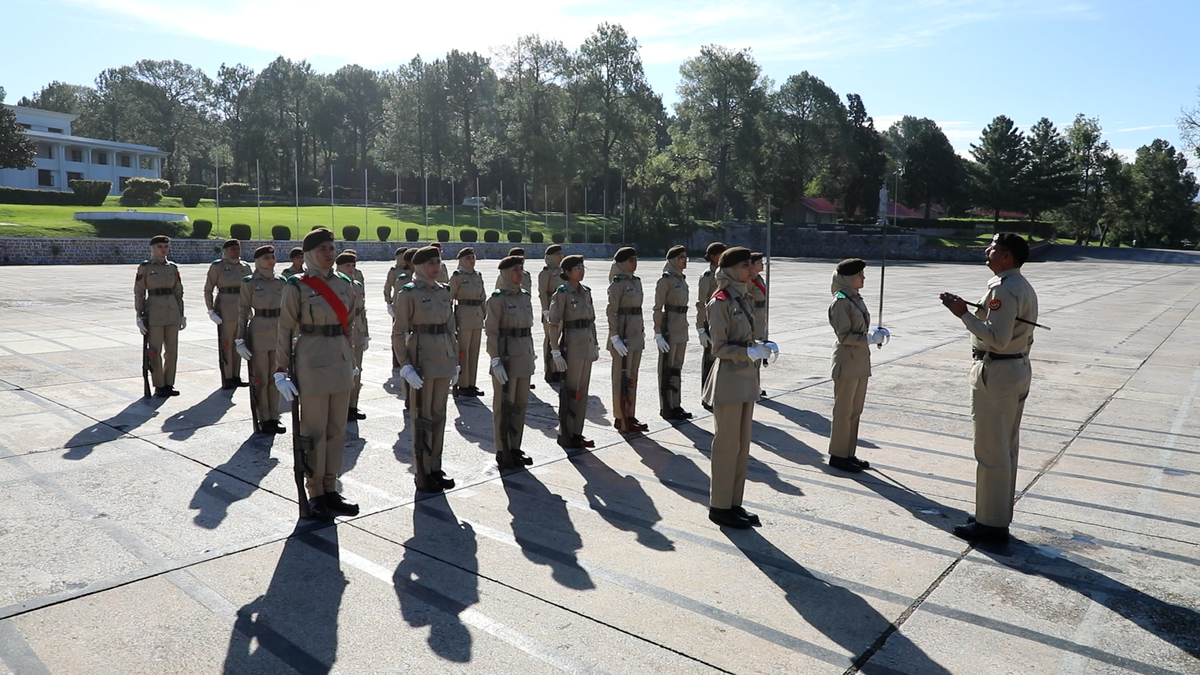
[226, 385]
[706, 407]
[441, 479]
[264, 428]
[171, 391]
[729, 517]
[970, 519]
[637, 425]
[584, 443]
[318, 510]
[845, 464]
[532, 385]
[861, 462]
[432, 485]
[977, 531]
[164, 392]
[682, 414]
[762, 393]
[477, 392]
[521, 458]
[353, 415]
[569, 443]
[752, 517]
[277, 428]
[339, 506]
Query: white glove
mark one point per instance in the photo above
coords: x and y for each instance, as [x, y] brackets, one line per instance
[546, 315]
[239, 345]
[410, 375]
[366, 342]
[141, 324]
[355, 372]
[498, 371]
[757, 353]
[391, 310]
[705, 340]
[876, 336]
[560, 364]
[286, 389]
[662, 344]
[618, 345]
[457, 372]
[182, 322]
[595, 352]
[772, 346]
[216, 318]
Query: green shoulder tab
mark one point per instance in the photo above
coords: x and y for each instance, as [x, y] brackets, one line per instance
[525, 291]
[358, 284]
[708, 273]
[497, 292]
[216, 262]
[144, 262]
[456, 273]
[666, 275]
[561, 289]
[619, 277]
[344, 277]
[635, 277]
[409, 286]
[169, 262]
[293, 279]
[247, 277]
[842, 294]
[586, 288]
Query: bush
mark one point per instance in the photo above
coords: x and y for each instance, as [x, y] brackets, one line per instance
[235, 190]
[239, 231]
[10, 195]
[557, 238]
[536, 237]
[189, 193]
[139, 229]
[468, 235]
[383, 232]
[576, 237]
[412, 234]
[514, 237]
[491, 236]
[596, 239]
[614, 238]
[91, 192]
[281, 233]
[201, 229]
[350, 233]
[143, 191]
[443, 236]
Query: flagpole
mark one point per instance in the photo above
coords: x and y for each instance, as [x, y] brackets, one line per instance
[258, 194]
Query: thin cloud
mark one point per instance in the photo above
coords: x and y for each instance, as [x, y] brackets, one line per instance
[1145, 128]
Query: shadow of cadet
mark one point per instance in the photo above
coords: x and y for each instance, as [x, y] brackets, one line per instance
[232, 481]
[543, 529]
[131, 417]
[613, 496]
[207, 412]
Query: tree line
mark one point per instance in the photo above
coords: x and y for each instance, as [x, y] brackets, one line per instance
[553, 124]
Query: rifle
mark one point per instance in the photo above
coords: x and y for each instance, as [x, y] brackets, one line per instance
[145, 360]
[301, 445]
[253, 398]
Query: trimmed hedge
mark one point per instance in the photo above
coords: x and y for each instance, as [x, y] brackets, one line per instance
[235, 190]
[143, 191]
[468, 235]
[614, 238]
[239, 231]
[138, 229]
[596, 239]
[281, 233]
[91, 192]
[491, 236]
[536, 237]
[412, 234]
[443, 236]
[576, 237]
[383, 232]
[557, 237]
[11, 195]
[189, 193]
[351, 232]
[201, 229]
[514, 236]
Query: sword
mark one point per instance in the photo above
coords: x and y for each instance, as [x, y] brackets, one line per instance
[146, 361]
[300, 445]
[976, 305]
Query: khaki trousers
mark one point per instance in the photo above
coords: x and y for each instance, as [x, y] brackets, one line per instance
[670, 377]
[427, 422]
[357, 388]
[468, 357]
[730, 453]
[227, 308]
[998, 392]
[547, 360]
[509, 437]
[625, 401]
[706, 365]
[262, 378]
[323, 419]
[573, 394]
[849, 395]
[164, 353]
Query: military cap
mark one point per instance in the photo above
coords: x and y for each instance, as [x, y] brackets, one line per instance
[297, 252]
[230, 243]
[400, 251]
[675, 250]
[316, 238]
[426, 254]
[625, 253]
[511, 261]
[409, 253]
[851, 266]
[264, 250]
[571, 262]
[733, 256]
[553, 248]
[517, 250]
[437, 245]
[756, 256]
[160, 239]
[465, 251]
[351, 251]
[715, 248]
[1014, 244]
[346, 257]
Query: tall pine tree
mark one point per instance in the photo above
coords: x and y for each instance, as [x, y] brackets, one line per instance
[1001, 167]
[1053, 181]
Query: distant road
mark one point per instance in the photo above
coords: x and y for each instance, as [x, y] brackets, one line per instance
[1060, 252]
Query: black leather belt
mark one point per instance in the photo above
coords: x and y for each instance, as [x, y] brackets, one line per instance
[515, 332]
[331, 330]
[470, 303]
[160, 291]
[739, 344]
[629, 310]
[269, 313]
[229, 289]
[678, 309]
[578, 323]
[978, 355]
[430, 328]
[761, 304]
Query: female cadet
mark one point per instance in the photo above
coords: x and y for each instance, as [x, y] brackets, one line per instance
[758, 292]
[732, 386]
[315, 343]
[671, 333]
[626, 337]
[572, 327]
[258, 337]
[423, 337]
[347, 263]
[851, 322]
[510, 346]
[158, 301]
[547, 282]
[468, 293]
[397, 276]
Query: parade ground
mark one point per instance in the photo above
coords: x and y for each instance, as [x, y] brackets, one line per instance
[161, 536]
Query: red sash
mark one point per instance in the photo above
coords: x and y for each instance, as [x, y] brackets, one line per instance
[318, 284]
[761, 286]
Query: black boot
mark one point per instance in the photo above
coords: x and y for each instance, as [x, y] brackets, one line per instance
[845, 464]
[277, 428]
[976, 531]
[353, 415]
[861, 462]
[729, 518]
[339, 506]
[441, 479]
[318, 510]
[752, 517]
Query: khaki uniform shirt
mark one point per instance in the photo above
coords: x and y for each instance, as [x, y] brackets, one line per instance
[506, 311]
[994, 326]
[359, 318]
[149, 300]
[569, 305]
[393, 281]
[758, 293]
[467, 287]
[323, 362]
[670, 306]
[260, 293]
[224, 273]
[548, 280]
[422, 306]
[292, 271]
[625, 294]
[734, 378]
[443, 275]
[851, 321]
[708, 286]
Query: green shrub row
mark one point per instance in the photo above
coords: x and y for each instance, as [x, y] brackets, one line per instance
[91, 192]
[11, 195]
[143, 191]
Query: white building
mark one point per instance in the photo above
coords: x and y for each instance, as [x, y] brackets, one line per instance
[62, 157]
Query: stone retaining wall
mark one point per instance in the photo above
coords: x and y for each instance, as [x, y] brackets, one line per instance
[795, 241]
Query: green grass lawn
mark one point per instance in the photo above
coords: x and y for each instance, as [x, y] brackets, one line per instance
[978, 241]
[58, 221]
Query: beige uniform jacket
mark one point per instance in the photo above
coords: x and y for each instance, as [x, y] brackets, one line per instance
[423, 330]
[259, 310]
[547, 282]
[158, 293]
[509, 323]
[323, 360]
[225, 274]
[670, 306]
[758, 293]
[708, 286]
[624, 311]
[994, 326]
[469, 295]
[735, 378]
[443, 275]
[851, 321]
[393, 282]
[572, 325]
[361, 333]
[291, 272]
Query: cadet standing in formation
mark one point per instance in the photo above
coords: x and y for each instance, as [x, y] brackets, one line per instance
[758, 292]
[397, 276]
[315, 344]
[225, 275]
[258, 337]
[423, 337]
[572, 327]
[443, 276]
[468, 294]
[347, 263]
[510, 346]
[548, 280]
[851, 363]
[626, 338]
[297, 259]
[708, 286]
[671, 333]
[1001, 335]
[158, 301]
[527, 280]
[732, 388]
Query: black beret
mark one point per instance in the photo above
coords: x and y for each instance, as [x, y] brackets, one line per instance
[297, 251]
[715, 248]
[230, 243]
[264, 250]
[511, 261]
[424, 255]
[572, 261]
[316, 238]
[1014, 244]
[851, 266]
[517, 250]
[400, 251]
[553, 248]
[409, 253]
[675, 250]
[346, 257]
[733, 256]
[755, 256]
[625, 253]
[160, 239]
[465, 251]
[437, 245]
[350, 250]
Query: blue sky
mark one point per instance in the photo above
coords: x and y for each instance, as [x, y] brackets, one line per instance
[959, 62]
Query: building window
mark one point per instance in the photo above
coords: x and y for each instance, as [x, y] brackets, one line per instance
[45, 178]
[99, 157]
[124, 160]
[26, 126]
[146, 163]
[73, 175]
[45, 151]
[76, 155]
[53, 130]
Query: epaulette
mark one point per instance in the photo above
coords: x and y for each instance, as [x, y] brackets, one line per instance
[721, 295]
[344, 277]
[708, 273]
[409, 286]
[293, 279]
[586, 288]
[455, 273]
[247, 278]
[497, 292]
[215, 262]
[666, 275]
[526, 292]
[144, 262]
[619, 277]
[841, 294]
[171, 263]
[635, 277]
[545, 268]
[358, 284]
[561, 289]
